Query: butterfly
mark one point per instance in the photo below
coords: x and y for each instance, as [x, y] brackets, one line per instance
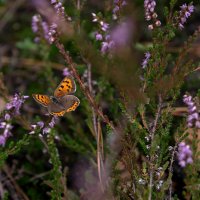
[63, 101]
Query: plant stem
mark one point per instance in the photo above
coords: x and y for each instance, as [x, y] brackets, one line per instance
[151, 173]
[87, 93]
[171, 171]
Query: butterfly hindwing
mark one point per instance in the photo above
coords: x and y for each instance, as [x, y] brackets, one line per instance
[67, 86]
[70, 102]
[42, 99]
[58, 114]
[56, 108]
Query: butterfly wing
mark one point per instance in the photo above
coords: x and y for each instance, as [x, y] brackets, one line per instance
[67, 86]
[56, 109]
[70, 102]
[42, 99]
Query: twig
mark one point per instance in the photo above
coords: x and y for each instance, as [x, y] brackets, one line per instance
[6, 169]
[37, 176]
[142, 114]
[97, 130]
[94, 118]
[171, 170]
[157, 117]
[87, 93]
[100, 163]
[152, 156]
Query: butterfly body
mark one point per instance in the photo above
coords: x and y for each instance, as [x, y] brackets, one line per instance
[62, 101]
[56, 101]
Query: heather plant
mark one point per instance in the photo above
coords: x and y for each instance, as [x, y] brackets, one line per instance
[135, 134]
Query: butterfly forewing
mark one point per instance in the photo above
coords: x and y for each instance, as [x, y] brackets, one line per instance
[67, 86]
[42, 99]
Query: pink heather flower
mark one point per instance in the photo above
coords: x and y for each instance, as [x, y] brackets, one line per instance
[98, 36]
[107, 45]
[95, 18]
[40, 124]
[146, 60]
[16, 103]
[53, 121]
[59, 8]
[46, 31]
[118, 4]
[184, 154]
[66, 71]
[104, 26]
[121, 34]
[104, 47]
[149, 6]
[45, 28]
[184, 13]
[2, 125]
[7, 117]
[46, 130]
[193, 115]
[6, 132]
[51, 33]
[2, 140]
[150, 14]
[35, 23]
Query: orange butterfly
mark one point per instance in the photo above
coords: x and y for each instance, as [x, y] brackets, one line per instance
[63, 101]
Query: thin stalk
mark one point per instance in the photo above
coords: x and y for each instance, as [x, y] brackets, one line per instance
[97, 130]
[87, 93]
[171, 171]
[151, 173]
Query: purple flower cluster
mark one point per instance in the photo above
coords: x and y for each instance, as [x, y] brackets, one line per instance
[107, 44]
[118, 4]
[122, 33]
[146, 60]
[52, 33]
[193, 115]
[184, 154]
[6, 126]
[59, 8]
[184, 14]
[118, 37]
[149, 6]
[46, 30]
[43, 30]
[41, 126]
[103, 25]
[12, 109]
[150, 14]
[35, 23]
[16, 103]
[66, 71]
[102, 35]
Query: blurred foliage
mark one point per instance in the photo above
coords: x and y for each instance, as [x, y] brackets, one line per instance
[66, 159]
